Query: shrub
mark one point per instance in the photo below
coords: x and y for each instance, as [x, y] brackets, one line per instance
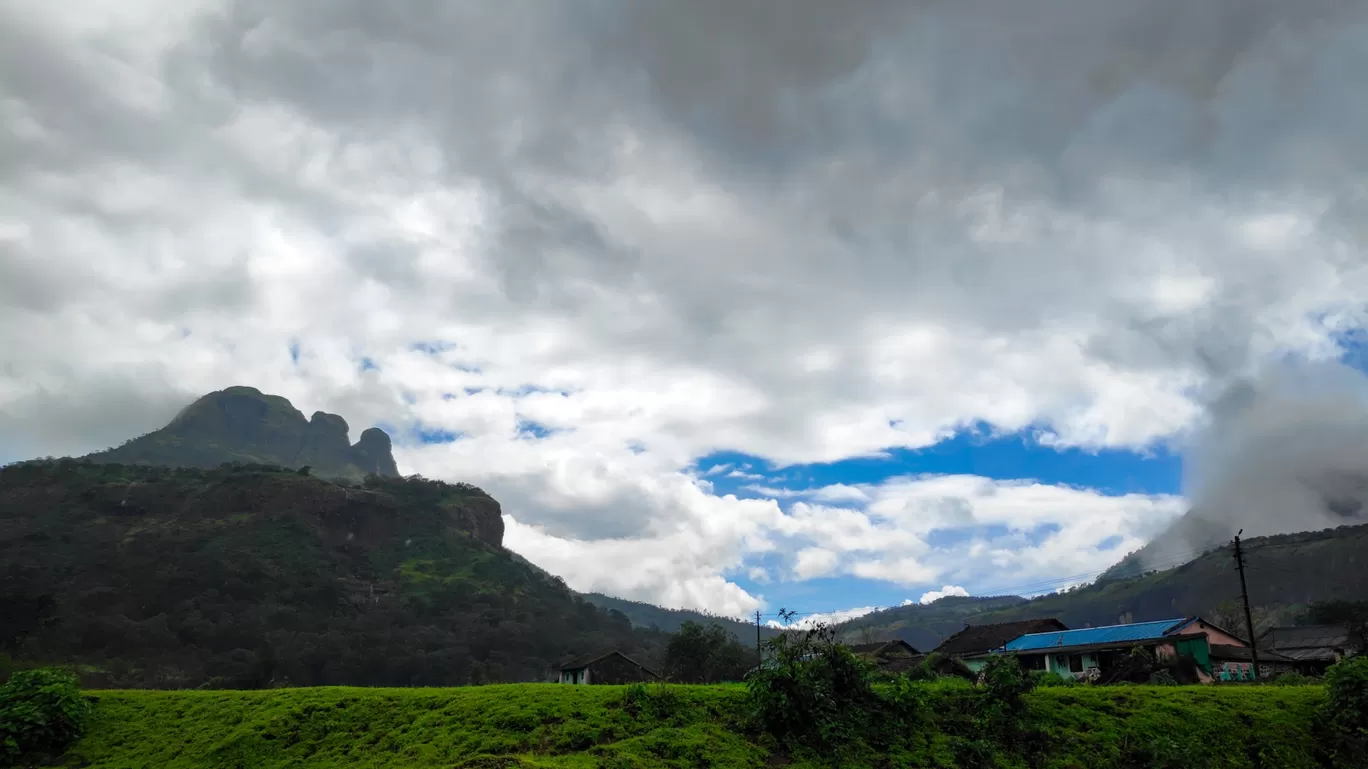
[811, 690]
[1053, 678]
[1346, 711]
[42, 713]
[1294, 679]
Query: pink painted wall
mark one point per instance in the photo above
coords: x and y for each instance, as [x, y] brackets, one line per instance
[1214, 634]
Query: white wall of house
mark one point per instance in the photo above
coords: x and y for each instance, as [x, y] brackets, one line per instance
[580, 676]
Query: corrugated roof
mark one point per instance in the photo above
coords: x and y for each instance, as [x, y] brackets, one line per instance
[1307, 637]
[1137, 631]
[981, 639]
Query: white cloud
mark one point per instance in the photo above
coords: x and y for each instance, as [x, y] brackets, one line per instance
[935, 595]
[823, 618]
[691, 229]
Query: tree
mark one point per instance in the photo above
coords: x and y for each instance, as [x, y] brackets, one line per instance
[699, 654]
[1352, 615]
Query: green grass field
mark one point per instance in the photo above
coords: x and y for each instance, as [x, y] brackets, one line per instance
[547, 725]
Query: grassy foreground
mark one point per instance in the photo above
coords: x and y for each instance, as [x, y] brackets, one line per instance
[514, 726]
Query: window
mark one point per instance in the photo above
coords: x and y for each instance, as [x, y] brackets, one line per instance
[1075, 663]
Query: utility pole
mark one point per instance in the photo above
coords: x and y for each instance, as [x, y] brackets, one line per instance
[1244, 595]
[759, 656]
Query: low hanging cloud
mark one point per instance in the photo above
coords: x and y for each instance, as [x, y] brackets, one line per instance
[658, 231]
[931, 596]
[1284, 451]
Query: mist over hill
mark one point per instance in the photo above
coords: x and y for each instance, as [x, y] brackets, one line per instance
[1284, 452]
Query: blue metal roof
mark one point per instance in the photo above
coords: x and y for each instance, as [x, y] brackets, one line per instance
[1138, 631]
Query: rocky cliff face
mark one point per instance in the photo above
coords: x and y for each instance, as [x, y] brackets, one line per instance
[242, 424]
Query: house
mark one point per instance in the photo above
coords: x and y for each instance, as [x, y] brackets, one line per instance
[612, 667]
[1235, 663]
[885, 653]
[1093, 652]
[1312, 648]
[976, 643]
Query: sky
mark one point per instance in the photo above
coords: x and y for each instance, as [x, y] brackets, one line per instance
[731, 305]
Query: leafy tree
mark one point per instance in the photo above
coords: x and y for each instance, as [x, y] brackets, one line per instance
[1346, 711]
[699, 654]
[812, 690]
[42, 712]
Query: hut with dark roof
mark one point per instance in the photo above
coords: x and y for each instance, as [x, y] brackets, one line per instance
[612, 667]
[975, 643]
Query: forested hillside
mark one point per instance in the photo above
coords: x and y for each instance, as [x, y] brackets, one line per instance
[253, 576]
[923, 625]
[1285, 573]
[652, 617]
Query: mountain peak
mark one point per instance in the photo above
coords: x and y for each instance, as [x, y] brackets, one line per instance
[243, 424]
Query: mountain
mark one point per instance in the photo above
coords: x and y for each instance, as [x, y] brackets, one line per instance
[923, 625]
[1307, 502]
[1285, 573]
[250, 575]
[241, 424]
[652, 617]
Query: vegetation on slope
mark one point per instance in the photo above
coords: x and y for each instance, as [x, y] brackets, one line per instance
[651, 617]
[256, 576]
[548, 725]
[1286, 574]
[924, 625]
[246, 426]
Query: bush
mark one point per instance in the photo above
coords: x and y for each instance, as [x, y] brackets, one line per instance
[1294, 679]
[811, 690]
[42, 713]
[1053, 678]
[1346, 711]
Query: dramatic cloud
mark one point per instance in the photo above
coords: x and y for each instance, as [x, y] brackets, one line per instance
[565, 250]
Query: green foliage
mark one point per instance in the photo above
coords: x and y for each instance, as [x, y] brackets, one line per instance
[1346, 711]
[650, 617]
[42, 712]
[1295, 679]
[1053, 678]
[1162, 678]
[1315, 566]
[705, 655]
[254, 577]
[811, 690]
[587, 727]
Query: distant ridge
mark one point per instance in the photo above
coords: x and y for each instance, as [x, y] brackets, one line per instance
[244, 425]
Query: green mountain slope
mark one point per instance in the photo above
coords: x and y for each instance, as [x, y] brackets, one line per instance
[1285, 573]
[652, 617]
[256, 576]
[923, 625]
[241, 424]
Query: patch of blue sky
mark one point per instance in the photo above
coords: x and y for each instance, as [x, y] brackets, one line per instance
[433, 347]
[294, 350]
[527, 428]
[369, 364]
[1014, 456]
[528, 389]
[433, 435]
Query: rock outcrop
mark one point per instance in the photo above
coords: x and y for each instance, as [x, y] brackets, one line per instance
[242, 424]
